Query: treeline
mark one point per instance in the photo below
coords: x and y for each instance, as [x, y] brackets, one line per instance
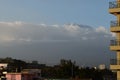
[16, 65]
[66, 69]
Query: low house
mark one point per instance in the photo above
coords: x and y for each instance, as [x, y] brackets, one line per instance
[36, 72]
[26, 74]
[19, 76]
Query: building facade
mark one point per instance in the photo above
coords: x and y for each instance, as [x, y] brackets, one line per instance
[19, 76]
[26, 74]
[102, 66]
[114, 9]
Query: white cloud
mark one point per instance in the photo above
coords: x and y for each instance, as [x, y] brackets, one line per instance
[101, 29]
[40, 32]
[72, 27]
[12, 24]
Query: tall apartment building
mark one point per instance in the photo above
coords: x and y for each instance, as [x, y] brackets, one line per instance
[114, 9]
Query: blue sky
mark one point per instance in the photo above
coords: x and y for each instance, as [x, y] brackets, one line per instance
[93, 13]
[50, 30]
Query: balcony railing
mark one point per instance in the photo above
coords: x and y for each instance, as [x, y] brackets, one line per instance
[114, 23]
[114, 62]
[115, 42]
[114, 4]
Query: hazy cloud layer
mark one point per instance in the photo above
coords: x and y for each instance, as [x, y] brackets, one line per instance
[19, 31]
[50, 43]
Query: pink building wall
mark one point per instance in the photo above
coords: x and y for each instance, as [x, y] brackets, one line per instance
[16, 76]
[19, 76]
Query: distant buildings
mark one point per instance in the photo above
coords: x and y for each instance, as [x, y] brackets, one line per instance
[114, 8]
[4, 65]
[3, 71]
[102, 66]
[24, 74]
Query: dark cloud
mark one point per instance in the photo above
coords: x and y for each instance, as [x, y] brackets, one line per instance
[50, 43]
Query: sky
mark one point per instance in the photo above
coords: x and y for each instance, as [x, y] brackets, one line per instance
[50, 30]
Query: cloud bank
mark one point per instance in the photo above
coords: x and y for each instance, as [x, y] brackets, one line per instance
[19, 31]
[50, 43]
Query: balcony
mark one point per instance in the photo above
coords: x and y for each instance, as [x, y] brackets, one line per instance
[115, 42]
[115, 64]
[114, 23]
[114, 4]
[114, 7]
[115, 45]
[115, 26]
